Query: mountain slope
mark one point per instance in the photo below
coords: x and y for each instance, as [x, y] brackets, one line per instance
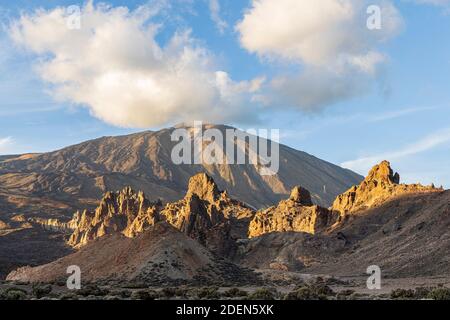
[78, 175]
[160, 255]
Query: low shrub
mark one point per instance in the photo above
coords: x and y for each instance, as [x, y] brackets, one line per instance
[92, 290]
[317, 291]
[14, 293]
[41, 290]
[168, 292]
[263, 294]
[209, 293]
[402, 294]
[235, 292]
[439, 294]
[144, 295]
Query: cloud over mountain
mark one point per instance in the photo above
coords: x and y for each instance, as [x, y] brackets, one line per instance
[114, 66]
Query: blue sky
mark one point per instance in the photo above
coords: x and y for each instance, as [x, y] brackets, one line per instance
[400, 111]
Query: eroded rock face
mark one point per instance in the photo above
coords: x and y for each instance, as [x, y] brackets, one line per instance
[380, 185]
[3, 225]
[297, 214]
[123, 211]
[301, 196]
[202, 210]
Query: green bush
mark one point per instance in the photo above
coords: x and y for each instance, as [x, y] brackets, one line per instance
[402, 294]
[69, 296]
[209, 293]
[14, 293]
[263, 294]
[92, 290]
[181, 292]
[168, 292]
[144, 295]
[235, 292]
[422, 293]
[440, 294]
[315, 291]
[41, 290]
[344, 294]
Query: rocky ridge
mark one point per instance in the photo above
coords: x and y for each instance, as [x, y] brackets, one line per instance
[216, 220]
[403, 228]
[297, 214]
[205, 214]
[380, 185]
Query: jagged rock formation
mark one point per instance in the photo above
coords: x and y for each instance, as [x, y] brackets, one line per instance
[205, 214]
[403, 228]
[204, 206]
[123, 211]
[297, 214]
[380, 185]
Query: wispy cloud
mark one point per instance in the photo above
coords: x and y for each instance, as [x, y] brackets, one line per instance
[214, 8]
[433, 140]
[389, 115]
[356, 117]
[14, 109]
[5, 144]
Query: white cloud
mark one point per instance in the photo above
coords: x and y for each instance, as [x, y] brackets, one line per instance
[214, 8]
[5, 144]
[329, 39]
[363, 164]
[115, 67]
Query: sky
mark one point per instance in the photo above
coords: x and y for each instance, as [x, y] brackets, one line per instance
[340, 81]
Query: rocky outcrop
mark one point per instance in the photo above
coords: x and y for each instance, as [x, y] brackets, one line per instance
[123, 211]
[4, 225]
[301, 195]
[205, 214]
[380, 185]
[55, 224]
[297, 214]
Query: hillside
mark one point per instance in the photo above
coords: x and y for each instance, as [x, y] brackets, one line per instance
[76, 176]
[161, 255]
[402, 228]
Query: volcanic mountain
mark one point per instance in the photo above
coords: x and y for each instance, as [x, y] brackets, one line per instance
[77, 176]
